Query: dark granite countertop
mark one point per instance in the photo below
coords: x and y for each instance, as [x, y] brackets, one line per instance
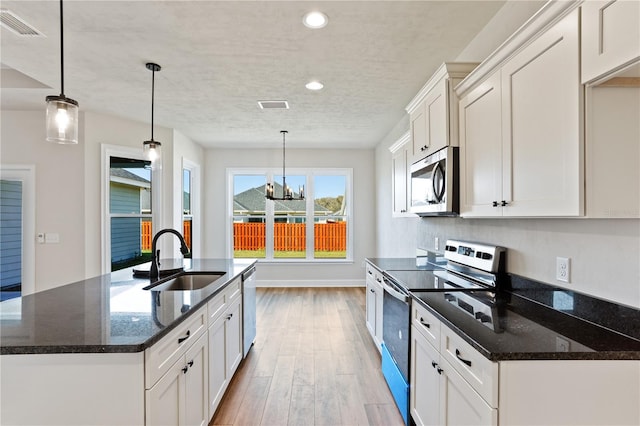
[537, 321]
[109, 313]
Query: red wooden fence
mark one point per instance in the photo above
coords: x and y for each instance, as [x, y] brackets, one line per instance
[147, 237]
[290, 236]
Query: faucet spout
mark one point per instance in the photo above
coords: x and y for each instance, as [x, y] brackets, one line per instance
[154, 272]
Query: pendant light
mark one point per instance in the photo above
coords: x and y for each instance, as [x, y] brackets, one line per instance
[287, 193]
[151, 147]
[62, 112]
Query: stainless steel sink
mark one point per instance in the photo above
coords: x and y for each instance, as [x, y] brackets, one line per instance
[187, 281]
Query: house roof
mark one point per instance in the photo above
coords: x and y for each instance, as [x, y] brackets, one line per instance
[126, 177]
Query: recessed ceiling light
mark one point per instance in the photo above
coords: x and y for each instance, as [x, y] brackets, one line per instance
[314, 85]
[315, 20]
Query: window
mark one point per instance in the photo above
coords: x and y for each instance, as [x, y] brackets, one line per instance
[130, 211]
[187, 210]
[316, 228]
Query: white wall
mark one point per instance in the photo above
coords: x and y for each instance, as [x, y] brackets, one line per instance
[605, 254]
[68, 182]
[361, 161]
[59, 194]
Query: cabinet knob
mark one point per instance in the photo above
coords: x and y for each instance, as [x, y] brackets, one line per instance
[439, 370]
[433, 364]
[494, 204]
[372, 290]
[503, 203]
[185, 369]
[190, 363]
[426, 324]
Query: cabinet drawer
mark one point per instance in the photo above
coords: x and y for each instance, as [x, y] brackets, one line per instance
[162, 355]
[477, 370]
[216, 306]
[233, 289]
[426, 323]
[374, 274]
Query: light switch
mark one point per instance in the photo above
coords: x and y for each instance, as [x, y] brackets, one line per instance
[51, 238]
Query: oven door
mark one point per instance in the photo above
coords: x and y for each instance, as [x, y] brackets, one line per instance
[396, 320]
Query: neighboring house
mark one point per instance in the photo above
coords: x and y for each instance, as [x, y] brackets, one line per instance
[10, 236]
[129, 194]
[252, 203]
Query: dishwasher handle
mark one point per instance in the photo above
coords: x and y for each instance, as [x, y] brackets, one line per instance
[248, 274]
[390, 288]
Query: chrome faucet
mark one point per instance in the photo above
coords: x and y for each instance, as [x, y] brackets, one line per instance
[154, 272]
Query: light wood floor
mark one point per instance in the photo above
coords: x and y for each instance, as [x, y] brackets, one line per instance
[313, 363]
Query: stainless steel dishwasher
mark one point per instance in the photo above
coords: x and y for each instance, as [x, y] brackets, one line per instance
[248, 309]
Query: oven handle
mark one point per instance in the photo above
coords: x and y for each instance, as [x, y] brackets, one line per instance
[390, 288]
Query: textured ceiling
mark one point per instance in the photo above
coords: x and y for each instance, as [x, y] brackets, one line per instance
[219, 58]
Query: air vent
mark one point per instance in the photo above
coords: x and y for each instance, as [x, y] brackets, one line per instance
[14, 23]
[273, 104]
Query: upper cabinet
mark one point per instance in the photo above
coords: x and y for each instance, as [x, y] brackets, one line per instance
[610, 37]
[433, 111]
[400, 179]
[521, 126]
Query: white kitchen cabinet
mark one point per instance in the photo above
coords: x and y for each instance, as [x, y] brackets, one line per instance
[374, 301]
[521, 141]
[481, 149]
[225, 342]
[439, 394]
[180, 396]
[612, 140]
[610, 37]
[401, 180]
[433, 111]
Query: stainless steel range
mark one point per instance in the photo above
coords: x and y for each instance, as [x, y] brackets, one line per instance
[468, 280]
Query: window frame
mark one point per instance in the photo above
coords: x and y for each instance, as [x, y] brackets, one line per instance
[108, 151]
[194, 169]
[309, 173]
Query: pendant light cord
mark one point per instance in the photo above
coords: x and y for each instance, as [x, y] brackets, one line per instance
[61, 51]
[284, 177]
[153, 88]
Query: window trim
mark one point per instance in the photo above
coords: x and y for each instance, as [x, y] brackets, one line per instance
[309, 173]
[108, 151]
[27, 174]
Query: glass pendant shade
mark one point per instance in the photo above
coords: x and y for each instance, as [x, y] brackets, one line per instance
[62, 120]
[152, 150]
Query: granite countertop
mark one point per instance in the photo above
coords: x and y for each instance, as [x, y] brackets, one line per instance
[537, 321]
[109, 313]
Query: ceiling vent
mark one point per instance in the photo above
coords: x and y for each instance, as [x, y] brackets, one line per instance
[273, 104]
[14, 23]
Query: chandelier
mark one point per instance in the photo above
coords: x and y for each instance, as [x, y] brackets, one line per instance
[287, 192]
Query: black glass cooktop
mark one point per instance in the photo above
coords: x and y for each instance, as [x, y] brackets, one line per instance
[436, 280]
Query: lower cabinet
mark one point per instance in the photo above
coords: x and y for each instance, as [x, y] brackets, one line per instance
[180, 396]
[225, 348]
[374, 301]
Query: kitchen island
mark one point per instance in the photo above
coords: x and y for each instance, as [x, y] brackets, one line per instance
[98, 351]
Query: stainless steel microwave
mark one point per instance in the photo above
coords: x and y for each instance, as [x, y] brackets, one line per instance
[434, 184]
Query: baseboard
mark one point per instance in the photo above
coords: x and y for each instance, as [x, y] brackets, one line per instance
[310, 283]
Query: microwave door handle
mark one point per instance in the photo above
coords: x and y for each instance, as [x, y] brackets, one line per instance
[438, 191]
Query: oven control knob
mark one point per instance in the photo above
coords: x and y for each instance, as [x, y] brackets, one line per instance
[449, 297]
[483, 317]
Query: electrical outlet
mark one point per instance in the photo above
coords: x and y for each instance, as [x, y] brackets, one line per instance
[563, 269]
[437, 244]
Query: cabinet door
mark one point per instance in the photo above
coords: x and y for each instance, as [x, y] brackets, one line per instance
[218, 378]
[233, 343]
[399, 176]
[371, 307]
[378, 312]
[480, 150]
[460, 404]
[165, 402]
[425, 381]
[196, 384]
[419, 142]
[542, 109]
[437, 118]
[610, 36]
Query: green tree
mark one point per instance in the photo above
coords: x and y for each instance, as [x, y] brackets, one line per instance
[330, 203]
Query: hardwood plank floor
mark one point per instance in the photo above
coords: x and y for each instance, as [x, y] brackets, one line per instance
[313, 363]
